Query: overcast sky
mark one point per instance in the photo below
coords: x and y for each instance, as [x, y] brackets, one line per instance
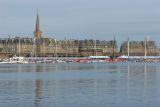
[79, 19]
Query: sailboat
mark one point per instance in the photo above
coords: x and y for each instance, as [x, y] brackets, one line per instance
[113, 58]
[145, 49]
[128, 48]
[17, 59]
[113, 52]
[127, 57]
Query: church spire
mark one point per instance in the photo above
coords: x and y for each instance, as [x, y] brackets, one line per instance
[37, 32]
[37, 23]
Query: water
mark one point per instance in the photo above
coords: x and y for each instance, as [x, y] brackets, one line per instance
[80, 85]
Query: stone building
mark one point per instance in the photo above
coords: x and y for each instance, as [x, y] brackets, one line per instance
[42, 46]
[138, 48]
[96, 47]
[46, 46]
[14, 46]
[51, 47]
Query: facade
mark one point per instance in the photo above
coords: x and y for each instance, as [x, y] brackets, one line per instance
[139, 47]
[97, 47]
[21, 46]
[41, 46]
[51, 47]
[14, 46]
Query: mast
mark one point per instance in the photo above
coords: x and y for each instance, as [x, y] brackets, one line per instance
[56, 50]
[44, 48]
[113, 56]
[95, 47]
[145, 48]
[128, 47]
[9, 45]
[66, 45]
[77, 50]
[34, 47]
[19, 47]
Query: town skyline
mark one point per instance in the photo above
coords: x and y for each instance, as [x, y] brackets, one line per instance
[82, 19]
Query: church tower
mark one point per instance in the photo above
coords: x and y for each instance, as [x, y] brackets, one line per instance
[37, 32]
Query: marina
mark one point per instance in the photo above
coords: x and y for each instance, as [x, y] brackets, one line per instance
[83, 53]
[90, 59]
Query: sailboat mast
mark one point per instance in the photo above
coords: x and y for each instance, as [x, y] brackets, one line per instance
[145, 49]
[35, 47]
[113, 56]
[66, 43]
[128, 47]
[95, 47]
[56, 50]
[19, 47]
[44, 48]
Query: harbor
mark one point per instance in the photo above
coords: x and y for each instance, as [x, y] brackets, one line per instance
[43, 49]
[90, 59]
[79, 53]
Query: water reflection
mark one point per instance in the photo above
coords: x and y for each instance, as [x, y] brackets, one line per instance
[145, 75]
[19, 68]
[38, 83]
[61, 85]
[37, 93]
[40, 67]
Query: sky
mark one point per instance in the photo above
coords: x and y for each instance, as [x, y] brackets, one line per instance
[80, 19]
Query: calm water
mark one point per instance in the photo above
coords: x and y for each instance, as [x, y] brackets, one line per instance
[80, 85]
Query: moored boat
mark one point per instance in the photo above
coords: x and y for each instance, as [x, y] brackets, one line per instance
[20, 60]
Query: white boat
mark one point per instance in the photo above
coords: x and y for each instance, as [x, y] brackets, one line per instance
[19, 60]
[6, 61]
[15, 60]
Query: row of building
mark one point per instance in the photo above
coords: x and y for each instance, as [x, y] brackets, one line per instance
[51, 47]
[41, 46]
